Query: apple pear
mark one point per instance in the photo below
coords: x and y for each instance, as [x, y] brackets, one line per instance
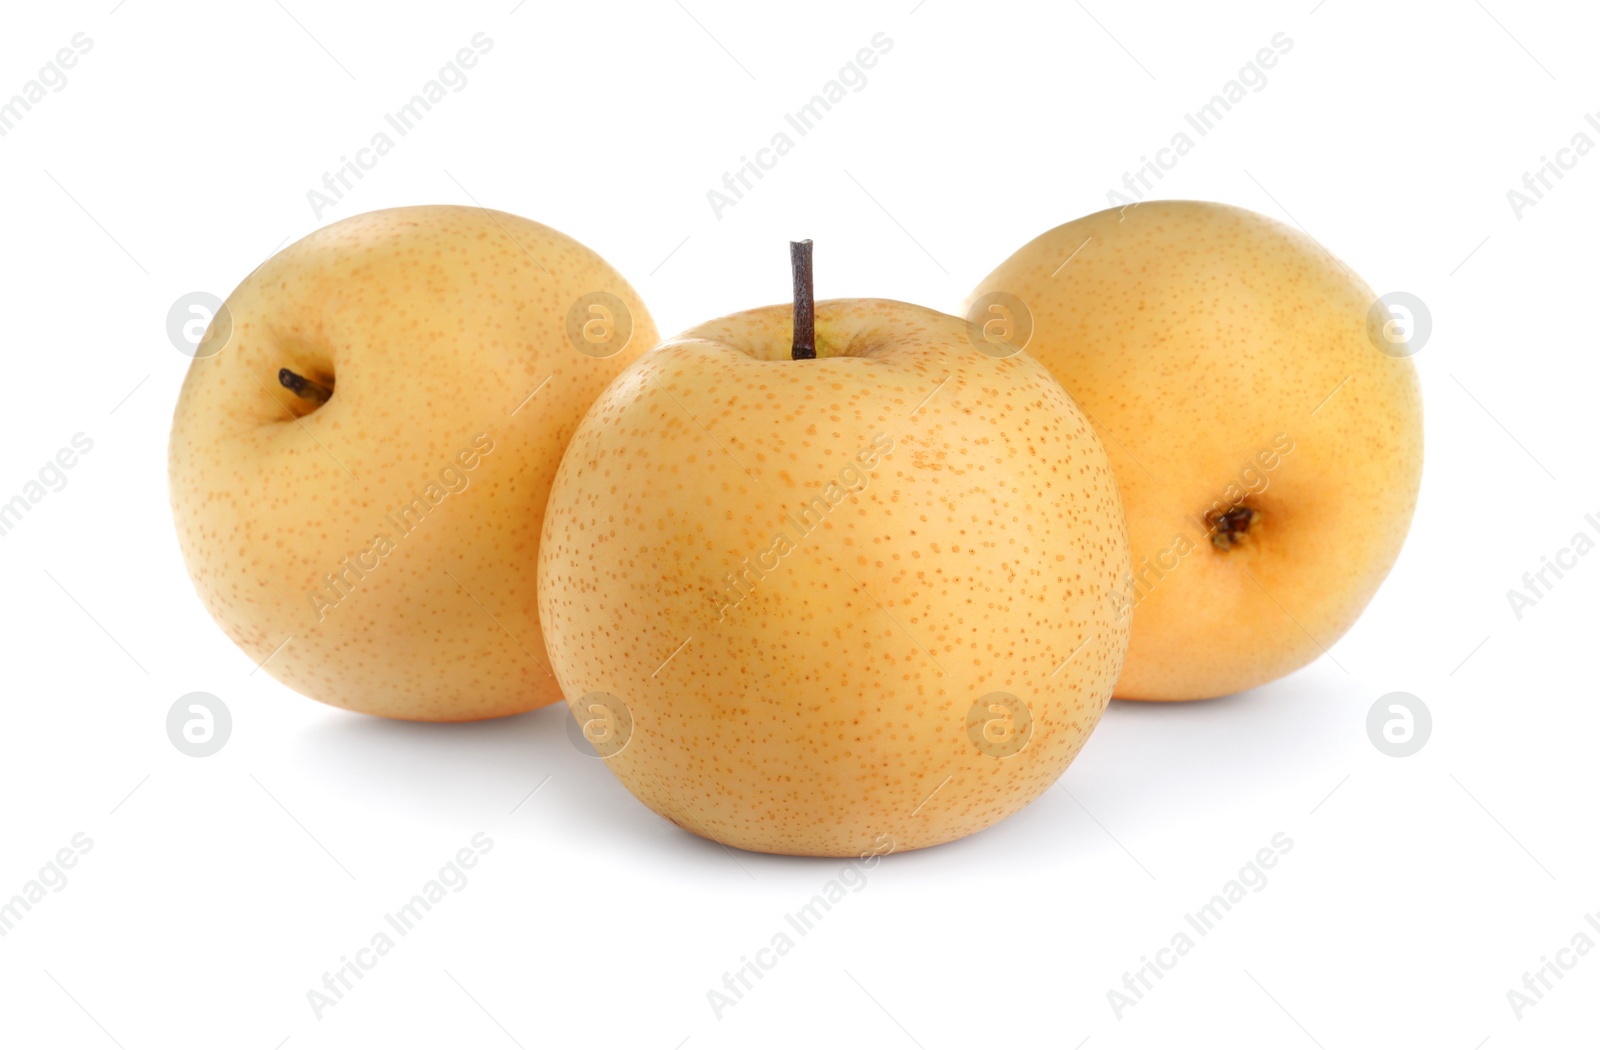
[1263, 417]
[363, 448]
[834, 606]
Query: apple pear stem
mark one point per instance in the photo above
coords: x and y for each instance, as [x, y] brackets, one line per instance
[300, 386]
[805, 303]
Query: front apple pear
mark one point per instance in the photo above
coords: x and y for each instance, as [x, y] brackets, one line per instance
[838, 606]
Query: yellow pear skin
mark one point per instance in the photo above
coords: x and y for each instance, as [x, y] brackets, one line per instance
[377, 549]
[835, 607]
[1268, 451]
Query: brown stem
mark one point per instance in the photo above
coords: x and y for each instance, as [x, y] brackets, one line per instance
[805, 305]
[300, 386]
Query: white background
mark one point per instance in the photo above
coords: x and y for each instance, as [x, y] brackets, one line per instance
[218, 891]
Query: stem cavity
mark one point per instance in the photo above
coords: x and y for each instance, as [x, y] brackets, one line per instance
[1232, 526]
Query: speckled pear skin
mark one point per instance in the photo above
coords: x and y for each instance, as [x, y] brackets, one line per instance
[433, 325]
[1221, 355]
[971, 545]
